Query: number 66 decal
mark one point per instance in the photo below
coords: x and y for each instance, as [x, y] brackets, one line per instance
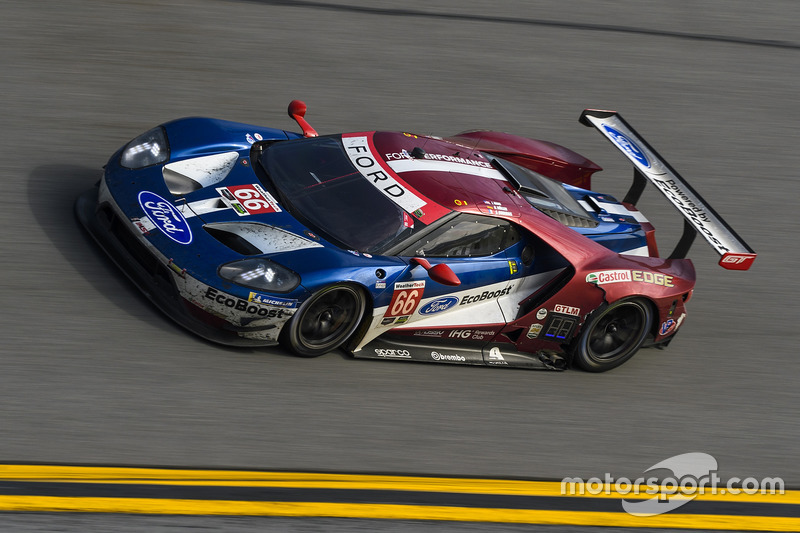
[406, 298]
[252, 198]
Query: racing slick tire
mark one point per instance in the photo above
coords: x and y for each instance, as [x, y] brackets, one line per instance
[613, 335]
[325, 321]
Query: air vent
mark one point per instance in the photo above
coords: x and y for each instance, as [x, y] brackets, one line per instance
[183, 177]
[254, 238]
[233, 241]
[178, 184]
[569, 220]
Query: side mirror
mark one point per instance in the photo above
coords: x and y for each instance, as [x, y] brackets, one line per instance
[440, 273]
[297, 110]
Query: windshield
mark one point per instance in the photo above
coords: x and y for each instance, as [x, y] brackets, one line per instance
[319, 185]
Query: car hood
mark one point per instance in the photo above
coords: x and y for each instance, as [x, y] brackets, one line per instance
[227, 216]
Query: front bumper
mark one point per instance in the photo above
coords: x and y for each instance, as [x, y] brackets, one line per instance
[161, 284]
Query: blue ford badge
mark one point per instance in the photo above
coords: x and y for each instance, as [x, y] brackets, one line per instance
[166, 217]
[439, 304]
[627, 145]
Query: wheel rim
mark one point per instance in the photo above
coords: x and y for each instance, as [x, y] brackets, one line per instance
[617, 332]
[330, 318]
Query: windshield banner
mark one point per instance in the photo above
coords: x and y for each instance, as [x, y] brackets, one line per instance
[362, 154]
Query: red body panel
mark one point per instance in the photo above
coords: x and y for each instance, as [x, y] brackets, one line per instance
[458, 177]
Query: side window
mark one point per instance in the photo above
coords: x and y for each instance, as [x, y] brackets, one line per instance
[466, 236]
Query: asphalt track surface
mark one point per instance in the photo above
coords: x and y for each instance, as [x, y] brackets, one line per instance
[92, 374]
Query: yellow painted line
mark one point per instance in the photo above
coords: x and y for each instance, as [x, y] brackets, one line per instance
[244, 478]
[392, 512]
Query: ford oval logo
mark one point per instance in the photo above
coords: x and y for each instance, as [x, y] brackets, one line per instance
[166, 217]
[438, 305]
[628, 146]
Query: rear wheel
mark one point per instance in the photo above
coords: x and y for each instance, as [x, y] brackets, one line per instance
[613, 335]
[325, 321]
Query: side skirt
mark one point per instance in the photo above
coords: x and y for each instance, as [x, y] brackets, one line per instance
[493, 354]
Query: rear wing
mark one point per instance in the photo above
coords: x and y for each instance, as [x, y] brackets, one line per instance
[699, 217]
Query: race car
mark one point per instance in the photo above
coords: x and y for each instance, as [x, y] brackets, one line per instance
[483, 248]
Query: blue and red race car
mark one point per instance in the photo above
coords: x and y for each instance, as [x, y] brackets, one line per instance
[483, 248]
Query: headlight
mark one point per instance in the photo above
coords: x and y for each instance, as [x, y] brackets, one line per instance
[261, 274]
[147, 149]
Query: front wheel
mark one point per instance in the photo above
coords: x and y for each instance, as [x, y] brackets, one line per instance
[613, 335]
[325, 320]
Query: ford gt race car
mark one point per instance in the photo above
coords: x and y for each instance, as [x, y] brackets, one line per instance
[483, 248]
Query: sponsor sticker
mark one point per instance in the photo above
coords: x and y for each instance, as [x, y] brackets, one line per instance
[380, 284]
[458, 160]
[479, 335]
[652, 277]
[398, 354]
[438, 305]
[485, 295]
[403, 154]
[249, 199]
[469, 334]
[737, 262]
[608, 276]
[405, 299]
[429, 333]
[627, 145]
[567, 310]
[270, 300]
[667, 327]
[494, 208]
[541, 313]
[460, 334]
[436, 356]
[244, 306]
[140, 226]
[165, 217]
[617, 276]
[534, 330]
[693, 210]
[496, 357]
[495, 354]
